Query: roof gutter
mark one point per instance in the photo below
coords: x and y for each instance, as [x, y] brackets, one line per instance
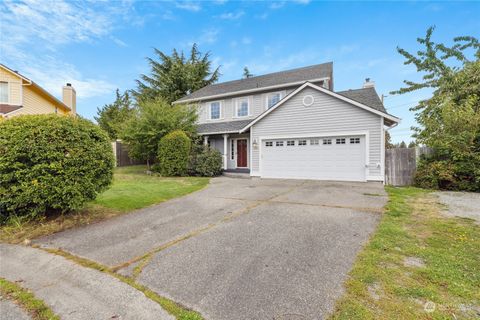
[278, 86]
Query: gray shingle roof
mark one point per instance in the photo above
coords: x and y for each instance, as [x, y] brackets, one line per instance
[367, 96]
[223, 127]
[272, 79]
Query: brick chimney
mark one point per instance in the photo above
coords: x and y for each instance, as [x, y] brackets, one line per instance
[69, 97]
[368, 83]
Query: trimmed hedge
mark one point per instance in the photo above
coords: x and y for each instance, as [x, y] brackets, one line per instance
[205, 161]
[51, 163]
[173, 154]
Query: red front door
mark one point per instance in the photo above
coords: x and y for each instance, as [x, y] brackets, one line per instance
[242, 153]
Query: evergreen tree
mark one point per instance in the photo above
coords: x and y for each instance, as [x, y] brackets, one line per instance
[174, 76]
[112, 117]
[246, 73]
[388, 141]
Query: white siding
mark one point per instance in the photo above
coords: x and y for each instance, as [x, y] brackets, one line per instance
[326, 115]
[257, 107]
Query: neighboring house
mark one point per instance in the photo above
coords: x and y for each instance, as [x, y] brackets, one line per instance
[292, 124]
[20, 95]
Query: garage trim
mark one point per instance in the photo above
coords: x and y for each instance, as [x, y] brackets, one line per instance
[320, 135]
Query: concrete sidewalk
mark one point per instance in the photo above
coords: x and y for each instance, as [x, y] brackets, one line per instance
[72, 291]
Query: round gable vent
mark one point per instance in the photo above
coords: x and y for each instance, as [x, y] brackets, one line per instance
[308, 100]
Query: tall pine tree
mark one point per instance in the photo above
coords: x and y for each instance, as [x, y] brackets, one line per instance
[112, 117]
[174, 76]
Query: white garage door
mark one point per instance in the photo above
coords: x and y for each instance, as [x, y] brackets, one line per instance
[322, 158]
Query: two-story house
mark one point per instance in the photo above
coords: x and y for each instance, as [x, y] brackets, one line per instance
[20, 95]
[292, 124]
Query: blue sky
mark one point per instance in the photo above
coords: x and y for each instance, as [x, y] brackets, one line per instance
[101, 46]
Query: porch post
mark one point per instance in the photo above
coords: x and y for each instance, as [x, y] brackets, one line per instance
[225, 151]
[205, 140]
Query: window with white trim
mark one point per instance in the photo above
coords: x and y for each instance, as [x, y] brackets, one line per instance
[215, 110]
[279, 143]
[327, 141]
[314, 142]
[302, 142]
[340, 141]
[269, 144]
[4, 92]
[273, 98]
[290, 143]
[354, 140]
[242, 106]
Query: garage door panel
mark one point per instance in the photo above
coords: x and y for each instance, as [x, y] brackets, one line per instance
[314, 161]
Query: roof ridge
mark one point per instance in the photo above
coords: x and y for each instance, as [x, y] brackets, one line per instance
[271, 73]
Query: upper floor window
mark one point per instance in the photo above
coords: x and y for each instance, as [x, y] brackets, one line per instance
[215, 110]
[4, 92]
[273, 98]
[241, 107]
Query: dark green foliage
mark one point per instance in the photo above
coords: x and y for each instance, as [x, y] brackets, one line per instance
[205, 161]
[153, 120]
[174, 153]
[51, 163]
[173, 77]
[450, 120]
[112, 117]
[246, 73]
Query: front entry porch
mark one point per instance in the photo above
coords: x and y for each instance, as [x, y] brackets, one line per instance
[235, 150]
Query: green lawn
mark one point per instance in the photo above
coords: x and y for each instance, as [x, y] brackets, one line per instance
[446, 268]
[132, 189]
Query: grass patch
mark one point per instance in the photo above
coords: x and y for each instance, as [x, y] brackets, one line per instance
[35, 307]
[449, 276]
[132, 189]
[175, 309]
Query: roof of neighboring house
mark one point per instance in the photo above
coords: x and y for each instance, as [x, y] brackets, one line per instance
[282, 78]
[366, 96]
[6, 108]
[222, 127]
[36, 86]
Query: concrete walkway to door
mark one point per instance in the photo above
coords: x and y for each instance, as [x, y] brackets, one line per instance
[241, 248]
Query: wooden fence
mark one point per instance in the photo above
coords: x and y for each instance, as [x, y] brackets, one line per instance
[122, 158]
[401, 164]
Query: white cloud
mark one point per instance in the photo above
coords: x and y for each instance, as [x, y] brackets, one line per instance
[277, 5]
[301, 1]
[208, 36]
[232, 15]
[246, 40]
[37, 31]
[189, 6]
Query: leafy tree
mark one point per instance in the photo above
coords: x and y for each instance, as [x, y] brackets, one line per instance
[402, 144]
[152, 120]
[112, 117]
[246, 73]
[175, 76]
[412, 144]
[450, 120]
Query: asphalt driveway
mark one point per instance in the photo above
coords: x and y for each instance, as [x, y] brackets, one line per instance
[241, 248]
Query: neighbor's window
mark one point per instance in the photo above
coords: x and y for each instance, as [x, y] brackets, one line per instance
[4, 92]
[273, 98]
[279, 143]
[327, 141]
[354, 140]
[340, 141]
[242, 107]
[290, 143]
[314, 142]
[302, 142]
[215, 110]
[269, 144]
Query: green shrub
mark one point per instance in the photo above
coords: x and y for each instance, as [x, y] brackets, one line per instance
[51, 163]
[444, 173]
[173, 154]
[205, 161]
